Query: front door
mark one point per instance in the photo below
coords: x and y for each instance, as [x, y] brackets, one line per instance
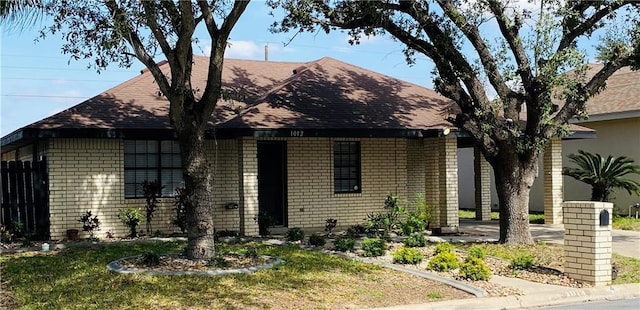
[272, 180]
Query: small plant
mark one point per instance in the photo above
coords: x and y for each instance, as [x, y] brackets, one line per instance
[344, 244]
[151, 190]
[444, 262]
[6, 235]
[474, 269]
[18, 229]
[149, 259]
[180, 205]
[524, 261]
[264, 222]
[330, 225]
[373, 247]
[218, 261]
[381, 224]
[354, 231]
[434, 295]
[26, 240]
[158, 233]
[295, 234]
[476, 251]
[316, 240]
[443, 247]
[132, 218]
[415, 240]
[413, 223]
[90, 223]
[405, 255]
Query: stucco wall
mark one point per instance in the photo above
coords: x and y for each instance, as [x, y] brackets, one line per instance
[616, 137]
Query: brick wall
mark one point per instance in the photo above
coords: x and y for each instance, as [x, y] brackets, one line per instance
[553, 195]
[88, 174]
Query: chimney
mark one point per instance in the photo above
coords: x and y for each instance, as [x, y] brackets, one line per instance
[266, 52]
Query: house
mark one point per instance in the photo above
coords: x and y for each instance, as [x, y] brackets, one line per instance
[301, 141]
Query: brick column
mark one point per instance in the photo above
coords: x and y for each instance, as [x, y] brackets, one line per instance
[431, 177]
[482, 179]
[248, 172]
[553, 195]
[587, 243]
[448, 180]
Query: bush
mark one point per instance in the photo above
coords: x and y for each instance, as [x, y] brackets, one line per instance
[132, 218]
[329, 225]
[406, 255]
[524, 261]
[344, 244]
[474, 269]
[373, 247]
[180, 206]
[316, 240]
[218, 261]
[149, 259]
[295, 234]
[476, 251]
[264, 222]
[444, 247]
[89, 223]
[415, 240]
[354, 231]
[412, 224]
[443, 262]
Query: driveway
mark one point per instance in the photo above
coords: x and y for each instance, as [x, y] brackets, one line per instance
[625, 243]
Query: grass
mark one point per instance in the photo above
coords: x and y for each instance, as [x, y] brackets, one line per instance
[626, 223]
[628, 269]
[76, 278]
[534, 218]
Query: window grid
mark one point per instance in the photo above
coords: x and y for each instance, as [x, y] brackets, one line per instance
[346, 167]
[151, 160]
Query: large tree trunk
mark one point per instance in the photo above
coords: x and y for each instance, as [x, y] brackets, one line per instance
[514, 177]
[198, 178]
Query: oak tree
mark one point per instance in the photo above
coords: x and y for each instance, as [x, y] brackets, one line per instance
[516, 72]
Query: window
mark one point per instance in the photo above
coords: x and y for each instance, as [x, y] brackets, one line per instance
[346, 167]
[151, 160]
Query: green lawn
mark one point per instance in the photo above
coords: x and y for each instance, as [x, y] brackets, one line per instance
[77, 278]
[626, 223]
[471, 214]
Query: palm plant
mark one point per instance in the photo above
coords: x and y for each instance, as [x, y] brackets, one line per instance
[603, 174]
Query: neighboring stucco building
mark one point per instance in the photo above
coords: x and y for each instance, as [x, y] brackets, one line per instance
[301, 141]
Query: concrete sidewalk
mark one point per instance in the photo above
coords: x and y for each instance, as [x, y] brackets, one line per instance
[541, 298]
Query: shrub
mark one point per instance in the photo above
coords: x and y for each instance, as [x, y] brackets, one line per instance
[330, 225]
[132, 218]
[89, 223]
[180, 205]
[476, 251]
[149, 259]
[316, 240]
[344, 244]
[218, 261]
[264, 222]
[444, 247]
[406, 255]
[295, 234]
[151, 190]
[524, 261]
[415, 240]
[474, 269]
[412, 224]
[354, 231]
[443, 262]
[373, 247]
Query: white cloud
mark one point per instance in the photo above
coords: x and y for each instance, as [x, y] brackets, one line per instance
[244, 49]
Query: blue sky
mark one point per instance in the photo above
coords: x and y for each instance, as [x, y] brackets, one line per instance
[37, 80]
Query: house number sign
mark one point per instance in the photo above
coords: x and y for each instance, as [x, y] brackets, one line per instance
[297, 133]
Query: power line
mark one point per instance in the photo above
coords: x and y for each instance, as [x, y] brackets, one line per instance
[66, 69]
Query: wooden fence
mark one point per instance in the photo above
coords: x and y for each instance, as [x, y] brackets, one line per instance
[25, 197]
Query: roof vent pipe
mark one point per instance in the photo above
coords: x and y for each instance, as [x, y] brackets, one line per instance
[266, 52]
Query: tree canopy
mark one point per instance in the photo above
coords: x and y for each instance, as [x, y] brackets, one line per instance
[517, 70]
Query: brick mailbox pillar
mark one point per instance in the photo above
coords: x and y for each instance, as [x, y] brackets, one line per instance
[587, 241]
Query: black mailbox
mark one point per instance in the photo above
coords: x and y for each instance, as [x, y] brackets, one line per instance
[604, 218]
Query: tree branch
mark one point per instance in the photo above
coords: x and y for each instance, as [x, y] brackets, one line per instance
[571, 32]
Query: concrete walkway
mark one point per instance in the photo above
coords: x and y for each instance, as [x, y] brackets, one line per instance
[625, 243]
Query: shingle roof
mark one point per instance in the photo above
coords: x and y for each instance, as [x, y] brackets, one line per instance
[326, 93]
[622, 93]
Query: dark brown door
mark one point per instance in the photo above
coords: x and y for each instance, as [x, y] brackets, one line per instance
[272, 180]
